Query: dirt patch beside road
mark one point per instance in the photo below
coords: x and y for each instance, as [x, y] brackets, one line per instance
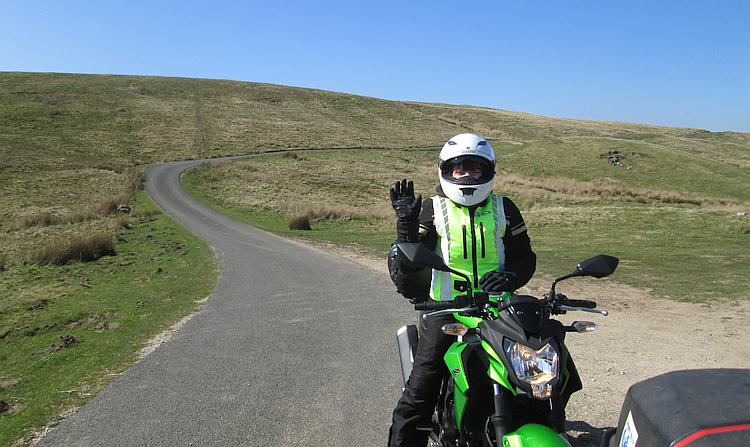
[642, 337]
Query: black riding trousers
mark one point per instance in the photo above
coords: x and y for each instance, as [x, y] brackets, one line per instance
[416, 406]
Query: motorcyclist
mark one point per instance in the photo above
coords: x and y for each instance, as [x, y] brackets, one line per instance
[476, 232]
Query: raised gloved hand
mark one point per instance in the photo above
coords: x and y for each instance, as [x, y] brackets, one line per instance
[497, 282]
[407, 209]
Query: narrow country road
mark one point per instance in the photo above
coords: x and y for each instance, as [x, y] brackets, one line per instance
[294, 347]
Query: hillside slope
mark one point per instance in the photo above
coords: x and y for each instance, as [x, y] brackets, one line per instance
[66, 140]
[150, 119]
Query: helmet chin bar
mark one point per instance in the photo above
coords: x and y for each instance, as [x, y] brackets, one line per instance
[465, 195]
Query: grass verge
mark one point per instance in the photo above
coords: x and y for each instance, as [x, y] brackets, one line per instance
[66, 331]
[365, 236]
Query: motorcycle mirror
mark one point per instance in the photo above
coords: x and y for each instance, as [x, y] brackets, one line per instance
[422, 256]
[599, 266]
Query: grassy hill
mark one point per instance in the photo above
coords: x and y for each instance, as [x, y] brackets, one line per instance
[71, 146]
[66, 141]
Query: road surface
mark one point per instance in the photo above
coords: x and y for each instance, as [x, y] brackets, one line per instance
[294, 347]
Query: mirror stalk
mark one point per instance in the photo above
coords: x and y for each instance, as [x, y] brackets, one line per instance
[554, 283]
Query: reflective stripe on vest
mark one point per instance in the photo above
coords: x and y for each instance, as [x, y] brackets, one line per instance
[453, 225]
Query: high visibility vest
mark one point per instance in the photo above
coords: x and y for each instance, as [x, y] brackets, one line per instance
[472, 245]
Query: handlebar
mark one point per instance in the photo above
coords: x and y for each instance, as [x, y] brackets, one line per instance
[560, 304]
[461, 304]
[435, 305]
[579, 303]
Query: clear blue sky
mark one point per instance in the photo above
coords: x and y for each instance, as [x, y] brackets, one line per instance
[679, 63]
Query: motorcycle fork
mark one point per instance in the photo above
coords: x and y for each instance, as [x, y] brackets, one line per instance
[439, 410]
[501, 419]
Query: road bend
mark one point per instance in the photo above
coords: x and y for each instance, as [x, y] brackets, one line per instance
[294, 347]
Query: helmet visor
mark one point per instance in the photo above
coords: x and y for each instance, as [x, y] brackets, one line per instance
[467, 170]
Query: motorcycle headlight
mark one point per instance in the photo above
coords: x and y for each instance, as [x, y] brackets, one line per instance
[537, 368]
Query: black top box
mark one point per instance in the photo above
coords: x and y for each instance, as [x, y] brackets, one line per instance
[692, 408]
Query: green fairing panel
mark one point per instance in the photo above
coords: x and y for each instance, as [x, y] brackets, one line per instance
[535, 435]
[491, 352]
[456, 366]
[461, 382]
[497, 371]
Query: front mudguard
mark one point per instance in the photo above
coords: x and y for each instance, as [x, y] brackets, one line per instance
[535, 435]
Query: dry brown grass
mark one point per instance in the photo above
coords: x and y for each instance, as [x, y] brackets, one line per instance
[300, 223]
[133, 183]
[134, 180]
[45, 219]
[146, 214]
[39, 220]
[353, 187]
[292, 156]
[80, 249]
[117, 166]
[304, 215]
[558, 188]
[120, 222]
[36, 231]
[343, 212]
[109, 205]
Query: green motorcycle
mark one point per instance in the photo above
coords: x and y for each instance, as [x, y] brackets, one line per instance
[508, 375]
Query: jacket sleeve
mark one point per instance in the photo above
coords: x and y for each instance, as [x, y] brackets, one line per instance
[519, 258]
[412, 281]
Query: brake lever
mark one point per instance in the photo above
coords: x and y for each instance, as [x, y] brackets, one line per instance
[437, 313]
[583, 309]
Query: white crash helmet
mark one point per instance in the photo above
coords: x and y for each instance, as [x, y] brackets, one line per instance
[467, 191]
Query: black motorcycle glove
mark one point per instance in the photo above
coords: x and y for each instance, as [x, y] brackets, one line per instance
[497, 282]
[407, 209]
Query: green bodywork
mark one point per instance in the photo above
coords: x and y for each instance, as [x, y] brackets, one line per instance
[461, 383]
[529, 435]
[497, 371]
[471, 322]
[534, 435]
